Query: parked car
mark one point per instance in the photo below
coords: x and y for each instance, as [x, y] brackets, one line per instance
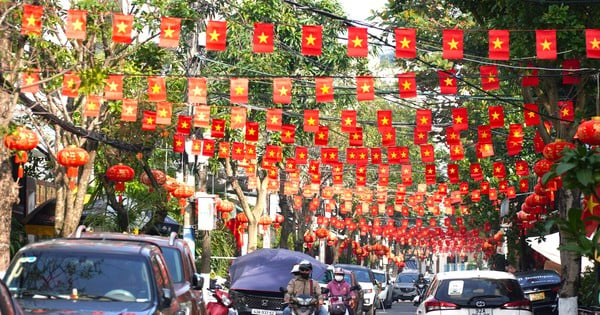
[367, 282]
[404, 286]
[385, 289]
[8, 304]
[475, 292]
[541, 288]
[349, 277]
[78, 276]
[180, 262]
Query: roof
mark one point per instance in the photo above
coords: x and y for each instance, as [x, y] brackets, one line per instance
[351, 267]
[469, 274]
[87, 246]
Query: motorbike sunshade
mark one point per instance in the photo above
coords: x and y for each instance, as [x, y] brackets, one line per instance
[268, 269]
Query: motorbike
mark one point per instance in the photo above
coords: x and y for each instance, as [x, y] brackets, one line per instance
[221, 304]
[421, 288]
[337, 305]
[304, 304]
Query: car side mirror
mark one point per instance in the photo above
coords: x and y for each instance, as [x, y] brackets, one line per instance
[197, 281]
[167, 297]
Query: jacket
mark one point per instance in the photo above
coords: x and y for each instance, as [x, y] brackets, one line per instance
[298, 286]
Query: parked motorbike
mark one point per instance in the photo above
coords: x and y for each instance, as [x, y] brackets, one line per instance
[421, 288]
[221, 304]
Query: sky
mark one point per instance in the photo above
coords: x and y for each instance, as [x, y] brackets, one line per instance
[361, 9]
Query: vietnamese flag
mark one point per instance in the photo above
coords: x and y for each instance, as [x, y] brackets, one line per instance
[452, 136]
[329, 155]
[322, 136]
[531, 77]
[29, 82]
[237, 151]
[406, 173]
[457, 152]
[274, 117]
[216, 35]
[113, 89]
[403, 155]
[484, 134]
[224, 150]
[420, 136]
[288, 133]
[499, 170]
[447, 81]
[157, 89]
[170, 30]
[208, 147]
[522, 168]
[388, 137]
[92, 106]
[324, 89]
[76, 24]
[545, 43]
[348, 123]
[290, 165]
[262, 40]
[569, 76]
[237, 118]
[489, 78]
[355, 138]
[407, 85]
[201, 116]
[406, 43]
[365, 89]
[149, 120]
[184, 124]
[282, 90]
[452, 44]
[31, 23]
[129, 110]
[499, 44]
[427, 153]
[311, 120]
[460, 118]
[384, 119]
[273, 153]
[566, 111]
[538, 143]
[238, 91]
[196, 147]
[476, 172]
[423, 119]
[197, 90]
[121, 28]
[453, 174]
[70, 87]
[252, 130]
[357, 42]
[301, 155]
[496, 114]
[312, 40]
[164, 112]
[592, 43]
[430, 174]
[484, 150]
[376, 155]
[530, 113]
[217, 128]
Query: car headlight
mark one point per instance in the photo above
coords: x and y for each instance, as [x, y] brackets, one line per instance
[368, 291]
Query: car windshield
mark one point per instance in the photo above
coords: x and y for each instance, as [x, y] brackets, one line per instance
[362, 275]
[469, 291]
[174, 263]
[380, 277]
[80, 276]
[407, 277]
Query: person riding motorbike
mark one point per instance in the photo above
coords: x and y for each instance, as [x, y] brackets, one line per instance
[340, 289]
[421, 287]
[303, 284]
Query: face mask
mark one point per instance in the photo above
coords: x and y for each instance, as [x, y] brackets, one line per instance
[339, 278]
[304, 275]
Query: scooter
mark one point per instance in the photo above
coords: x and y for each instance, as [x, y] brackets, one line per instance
[221, 304]
[421, 288]
[304, 304]
[337, 305]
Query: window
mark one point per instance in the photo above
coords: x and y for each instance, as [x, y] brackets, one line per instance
[174, 263]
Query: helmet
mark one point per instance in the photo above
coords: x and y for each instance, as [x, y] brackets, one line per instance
[295, 269]
[338, 271]
[305, 265]
[421, 276]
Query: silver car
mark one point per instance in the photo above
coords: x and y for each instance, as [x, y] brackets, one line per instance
[404, 286]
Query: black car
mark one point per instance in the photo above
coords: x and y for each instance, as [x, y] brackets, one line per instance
[78, 276]
[541, 288]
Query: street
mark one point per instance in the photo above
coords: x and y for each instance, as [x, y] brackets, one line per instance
[399, 308]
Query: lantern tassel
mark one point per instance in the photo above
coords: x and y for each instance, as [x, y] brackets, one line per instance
[120, 198]
[20, 171]
[71, 183]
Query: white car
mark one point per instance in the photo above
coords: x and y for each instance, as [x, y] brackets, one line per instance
[480, 292]
[367, 282]
[385, 289]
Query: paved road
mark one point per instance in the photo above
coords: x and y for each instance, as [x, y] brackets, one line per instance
[399, 308]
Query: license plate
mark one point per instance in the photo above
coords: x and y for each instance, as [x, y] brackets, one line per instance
[536, 296]
[480, 311]
[256, 311]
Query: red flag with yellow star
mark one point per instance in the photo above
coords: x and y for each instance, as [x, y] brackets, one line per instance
[447, 81]
[499, 170]
[29, 83]
[388, 137]
[282, 90]
[453, 174]
[329, 155]
[460, 118]
[178, 143]
[499, 44]
[530, 113]
[484, 134]
[262, 40]
[237, 118]
[252, 131]
[324, 89]
[427, 153]
[420, 136]
[484, 150]
[406, 40]
[545, 43]
[217, 128]
[457, 152]
[384, 119]
[489, 78]
[496, 115]
[121, 28]
[288, 133]
[92, 106]
[196, 90]
[311, 120]
[31, 23]
[348, 123]
[430, 174]
[197, 147]
[70, 87]
[476, 172]
[237, 151]
[312, 40]
[531, 77]
[522, 168]
[452, 41]
[170, 30]
[569, 76]
[274, 116]
[113, 89]
[164, 113]
[357, 42]
[201, 116]
[76, 24]
[238, 91]
[301, 155]
[407, 85]
[208, 147]
[423, 119]
[216, 35]
[322, 136]
[365, 90]
[566, 110]
[129, 110]
[273, 153]
[376, 155]
[355, 138]
[452, 136]
[224, 150]
[157, 89]
[592, 43]
[184, 124]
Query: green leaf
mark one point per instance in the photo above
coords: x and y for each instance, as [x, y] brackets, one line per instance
[584, 176]
[564, 167]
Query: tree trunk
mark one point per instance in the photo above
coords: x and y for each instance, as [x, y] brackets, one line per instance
[206, 253]
[570, 261]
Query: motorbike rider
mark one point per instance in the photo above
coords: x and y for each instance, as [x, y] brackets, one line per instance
[303, 284]
[339, 288]
[420, 286]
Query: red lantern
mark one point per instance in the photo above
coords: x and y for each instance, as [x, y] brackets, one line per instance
[278, 220]
[309, 238]
[120, 174]
[242, 219]
[589, 131]
[159, 176]
[322, 233]
[542, 167]
[21, 140]
[265, 221]
[554, 151]
[72, 157]
[183, 192]
[170, 185]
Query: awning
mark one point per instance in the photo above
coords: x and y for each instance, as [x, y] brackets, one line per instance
[548, 247]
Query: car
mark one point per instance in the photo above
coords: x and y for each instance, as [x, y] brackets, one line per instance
[385, 289]
[481, 292]
[541, 288]
[187, 281]
[404, 286]
[367, 282]
[8, 304]
[79, 276]
[349, 277]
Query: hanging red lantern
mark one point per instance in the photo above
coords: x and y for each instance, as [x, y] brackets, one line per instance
[279, 218]
[265, 221]
[309, 238]
[542, 167]
[588, 131]
[159, 176]
[242, 219]
[224, 207]
[21, 140]
[120, 174]
[72, 157]
[170, 185]
[554, 151]
[322, 233]
[183, 192]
